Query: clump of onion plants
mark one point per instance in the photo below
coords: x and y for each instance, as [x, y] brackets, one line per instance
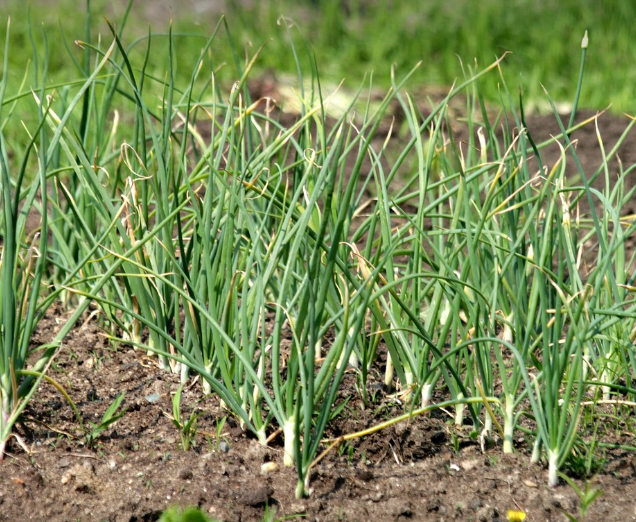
[25, 258]
[250, 252]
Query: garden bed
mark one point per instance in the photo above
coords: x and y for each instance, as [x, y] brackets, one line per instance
[423, 469]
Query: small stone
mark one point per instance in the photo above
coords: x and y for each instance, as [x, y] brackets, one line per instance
[224, 446]
[66, 478]
[468, 465]
[297, 509]
[269, 467]
[153, 397]
[64, 462]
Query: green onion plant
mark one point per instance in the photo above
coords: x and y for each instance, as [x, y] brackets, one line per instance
[278, 257]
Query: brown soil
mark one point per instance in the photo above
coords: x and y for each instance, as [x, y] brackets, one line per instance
[423, 470]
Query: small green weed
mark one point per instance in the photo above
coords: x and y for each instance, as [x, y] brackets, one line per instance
[587, 496]
[110, 417]
[191, 514]
[187, 429]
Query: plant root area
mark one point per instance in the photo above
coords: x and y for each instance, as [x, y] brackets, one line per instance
[425, 469]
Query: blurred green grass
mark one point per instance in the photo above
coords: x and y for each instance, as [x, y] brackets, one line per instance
[355, 37]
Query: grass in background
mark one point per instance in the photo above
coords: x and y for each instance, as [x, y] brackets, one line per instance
[352, 38]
